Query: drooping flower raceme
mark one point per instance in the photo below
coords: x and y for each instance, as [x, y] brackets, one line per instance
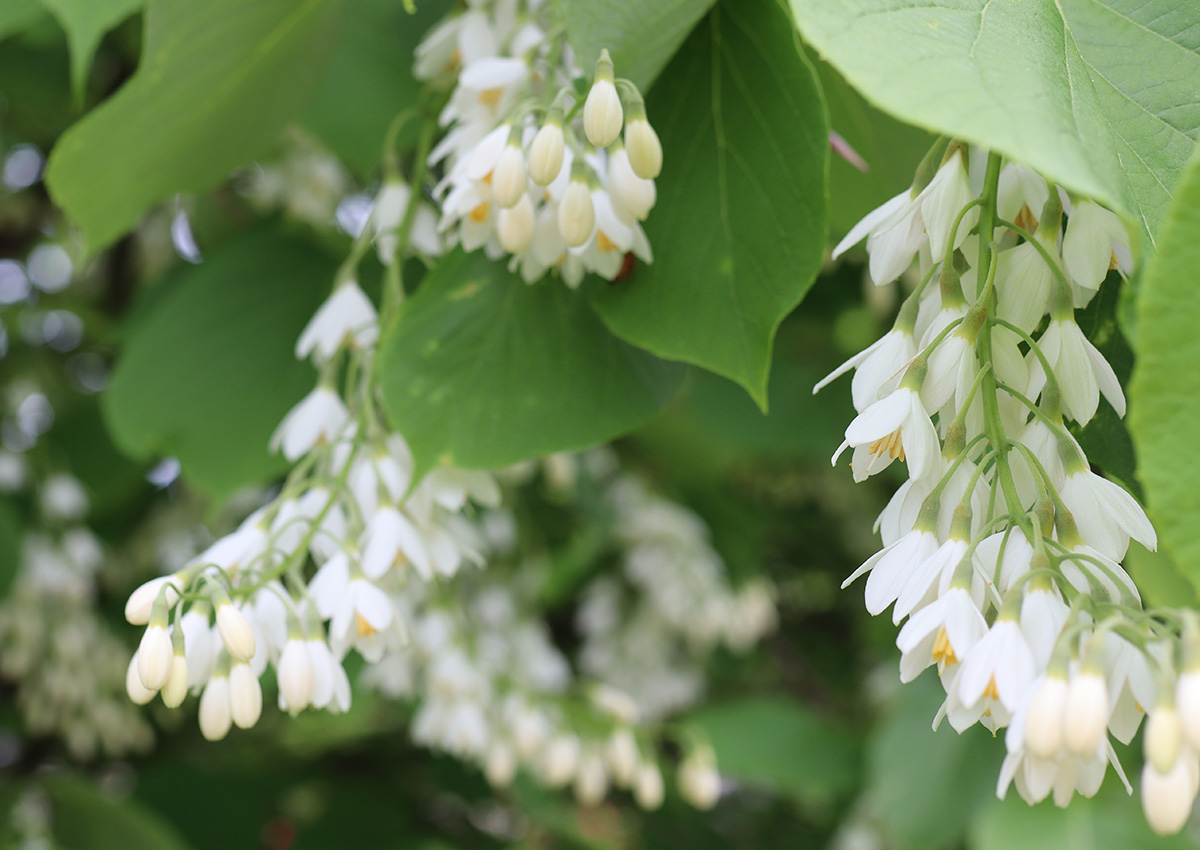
[520, 179]
[1030, 619]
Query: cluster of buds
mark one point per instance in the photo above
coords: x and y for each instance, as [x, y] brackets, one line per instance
[1002, 549]
[525, 174]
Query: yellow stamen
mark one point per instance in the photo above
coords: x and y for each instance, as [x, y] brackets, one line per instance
[491, 97]
[943, 652]
[1026, 219]
[479, 214]
[890, 444]
[365, 629]
[1112, 264]
[603, 242]
[990, 690]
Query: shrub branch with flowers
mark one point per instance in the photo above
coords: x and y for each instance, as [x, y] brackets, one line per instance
[455, 329]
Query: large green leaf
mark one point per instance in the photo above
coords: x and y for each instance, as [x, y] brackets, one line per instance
[740, 225]
[926, 785]
[370, 79]
[208, 369]
[216, 83]
[83, 818]
[1098, 95]
[784, 745]
[17, 15]
[484, 370]
[1111, 821]
[1164, 401]
[641, 37]
[86, 22]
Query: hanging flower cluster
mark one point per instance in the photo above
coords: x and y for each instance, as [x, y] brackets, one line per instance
[530, 170]
[353, 555]
[1002, 549]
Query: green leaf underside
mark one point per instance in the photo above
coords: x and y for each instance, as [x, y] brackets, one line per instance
[641, 37]
[783, 745]
[18, 15]
[209, 371]
[217, 82]
[1165, 393]
[84, 818]
[740, 225]
[370, 79]
[1098, 95]
[484, 370]
[86, 22]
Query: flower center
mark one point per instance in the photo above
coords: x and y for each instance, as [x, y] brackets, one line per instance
[490, 97]
[943, 652]
[365, 629]
[1026, 219]
[603, 242]
[479, 214]
[890, 445]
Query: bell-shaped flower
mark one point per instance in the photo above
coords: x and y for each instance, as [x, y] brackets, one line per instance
[875, 366]
[1107, 516]
[894, 233]
[999, 666]
[942, 201]
[1082, 372]
[1095, 241]
[941, 633]
[318, 418]
[896, 426]
[892, 567]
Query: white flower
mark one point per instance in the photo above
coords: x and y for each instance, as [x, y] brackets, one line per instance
[236, 632]
[1106, 515]
[245, 696]
[999, 666]
[515, 226]
[391, 539]
[216, 713]
[500, 764]
[347, 316]
[942, 632]
[633, 196]
[942, 200]
[1082, 372]
[509, 179]
[1095, 241]
[892, 567]
[137, 692]
[154, 657]
[546, 154]
[894, 233]
[645, 150]
[1098, 575]
[875, 366]
[141, 601]
[198, 645]
[699, 782]
[953, 357]
[1021, 195]
[1043, 615]
[1044, 718]
[602, 113]
[1187, 698]
[390, 207]
[331, 685]
[1023, 285]
[648, 787]
[896, 426]
[318, 418]
[576, 215]
[591, 780]
[1168, 796]
[175, 689]
[296, 676]
[358, 610]
[63, 497]
[560, 759]
[1086, 712]
[921, 586]
[1164, 737]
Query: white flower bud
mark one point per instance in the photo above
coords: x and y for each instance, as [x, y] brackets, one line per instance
[699, 782]
[1044, 723]
[1167, 798]
[215, 714]
[560, 760]
[602, 113]
[500, 765]
[138, 692]
[591, 780]
[622, 754]
[154, 657]
[236, 632]
[1086, 715]
[1187, 701]
[296, 677]
[530, 729]
[644, 148]
[1164, 738]
[508, 178]
[175, 690]
[141, 601]
[648, 786]
[631, 193]
[576, 215]
[516, 225]
[245, 696]
[546, 154]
